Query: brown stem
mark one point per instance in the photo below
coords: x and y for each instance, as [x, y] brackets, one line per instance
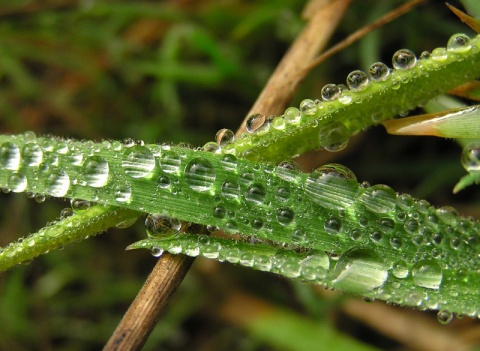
[141, 317]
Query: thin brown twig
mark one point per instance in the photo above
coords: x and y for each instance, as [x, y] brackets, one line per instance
[143, 314]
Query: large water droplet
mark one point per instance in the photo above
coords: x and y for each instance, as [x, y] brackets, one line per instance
[292, 115]
[307, 106]
[254, 122]
[471, 157]
[57, 183]
[439, 54]
[459, 43]
[288, 170]
[332, 225]
[138, 161]
[404, 59]
[379, 198]
[32, 154]
[9, 156]
[255, 193]
[123, 193]
[332, 186]
[224, 136]
[95, 171]
[17, 182]
[285, 216]
[230, 189]
[170, 162]
[444, 317]
[160, 226]
[200, 174]
[330, 92]
[427, 274]
[379, 71]
[334, 137]
[315, 266]
[357, 80]
[360, 270]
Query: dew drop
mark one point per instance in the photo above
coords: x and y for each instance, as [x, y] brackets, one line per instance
[360, 270]
[79, 204]
[230, 189]
[315, 266]
[9, 156]
[357, 80]
[229, 162]
[200, 174]
[212, 147]
[278, 123]
[459, 43]
[299, 235]
[424, 55]
[170, 162]
[332, 186]
[17, 182]
[345, 97]
[160, 226]
[439, 54]
[66, 212]
[379, 198]
[332, 225]
[157, 251]
[444, 317]
[330, 92]
[379, 71]
[288, 170]
[57, 183]
[396, 242]
[400, 270]
[95, 171]
[254, 122]
[307, 106]
[32, 154]
[224, 136]
[138, 161]
[219, 212]
[411, 225]
[163, 181]
[246, 259]
[282, 194]
[334, 137]
[123, 193]
[255, 193]
[404, 59]
[263, 263]
[427, 274]
[285, 216]
[471, 157]
[448, 215]
[212, 250]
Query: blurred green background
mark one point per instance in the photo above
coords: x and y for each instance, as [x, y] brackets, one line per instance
[178, 71]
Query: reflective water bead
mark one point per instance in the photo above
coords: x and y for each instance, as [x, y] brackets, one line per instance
[229, 162]
[285, 216]
[379, 71]
[246, 259]
[334, 137]
[224, 136]
[386, 224]
[170, 162]
[32, 154]
[157, 251]
[447, 214]
[57, 183]
[345, 97]
[439, 54]
[471, 157]
[396, 242]
[288, 170]
[360, 270]
[138, 161]
[308, 107]
[459, 43]
[282, 194]
[262, 262]
[254, 122]
[424, 55]
[160, 226]
[95, 171]
[200, 174]
[400, 270]
[212, 147]
[128, 142]
[332, 225]
[278, 123]
[405, 201]
[292, 115]
[66, 212]
[376, 237]
[9, 156]
[332, 186]
[379, 199]
[79, 204]
[17, 182]
[163, 181]
[299, 235]
[219, 212]
[255, 193]
[357, 80]
[29, 136]
[315, 266]
[404, 59]
[444, 317]
[256, 223]
[330, 92]
[230, 189]
[427, 274]
[123, 193]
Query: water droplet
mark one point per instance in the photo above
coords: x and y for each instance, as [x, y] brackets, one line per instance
[427, 274]
[315, 266]
[459, 43]
[246, 259]
[156, 251]
[212, 147]
[123, 193]
[9, 156]
[257, 223]
[448, 215]
[211, 250]
[330, 92]
[332, 186]
[57, 183]
[307, 106]
[39, 198]
[376, 237]
[285, 216]
[355, 234]
[200, 174]
[254, 122]
[138, 161]
[288, 170]
[379, 71]
[95, 171]
[424, 55]
[400, 270]
[230, 189]
[224, 136]
[229, 162]
[128, 142]
[332, 225]
[160, 226]
[471, 157]
[396, 242]
[282, 194]
[444, 317]
[404, 59]
[292, 115]
[219, 212]
[32, 154]
[263, 262]
[66, 212]
[299, 235]
[439, 54]
[170, 162]
[334, 137]
[17, 182]
[278, 123]
[357, 80]
[360, 270]
[379, 198]
[411, 225]
[255, 193]
[163, 181]
[79, 204]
